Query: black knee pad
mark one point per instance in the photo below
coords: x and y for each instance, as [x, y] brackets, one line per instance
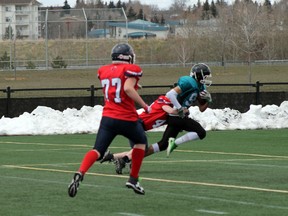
[201, 134]
[163, 145]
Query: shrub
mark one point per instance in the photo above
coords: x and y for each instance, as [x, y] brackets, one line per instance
[30, 65]
[5, 61]
[58, 62]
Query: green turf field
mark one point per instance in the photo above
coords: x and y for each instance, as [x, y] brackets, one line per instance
[228, 173]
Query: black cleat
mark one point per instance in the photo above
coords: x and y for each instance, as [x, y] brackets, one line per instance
[135, 185]
[108, 156]
[119, 165]
[73, 187]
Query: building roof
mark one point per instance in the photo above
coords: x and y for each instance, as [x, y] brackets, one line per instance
[140, 24]
[13, 2]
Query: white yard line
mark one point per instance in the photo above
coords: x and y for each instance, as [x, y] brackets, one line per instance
[211, 212]
[112, 147]
[164, 194]
[235, 153]
[128, 214]
[158, 180]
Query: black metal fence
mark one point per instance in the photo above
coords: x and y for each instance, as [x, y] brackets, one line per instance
[11, 106]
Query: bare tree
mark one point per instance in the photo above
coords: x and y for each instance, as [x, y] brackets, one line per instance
[182, 49]
[223, 33]
[178, 6]
[247, 23]
[280, 12]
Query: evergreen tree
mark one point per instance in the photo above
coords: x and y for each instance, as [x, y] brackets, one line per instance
[119, 4]
[8, 33]
[5, 61]
[221, 3]
[162, 21]
[213, 9]
[140, 14]
[199, 4]
[18, 34]
[89, 23]
[206, 10]
[131, 15]
[124, 6]
[100, 4]
[268, 5]
[66, 7]
[155, 19]
[111, 4]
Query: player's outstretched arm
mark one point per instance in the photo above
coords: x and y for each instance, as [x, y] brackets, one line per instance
[170, 110]
[172, 95]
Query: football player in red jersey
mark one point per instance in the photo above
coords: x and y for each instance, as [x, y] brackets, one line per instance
[119, 81]
[156, 117]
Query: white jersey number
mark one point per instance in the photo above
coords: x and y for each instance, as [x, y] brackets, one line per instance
[116, 82]
[158, 123]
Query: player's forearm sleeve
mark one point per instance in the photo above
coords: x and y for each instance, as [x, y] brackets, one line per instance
[172, 95]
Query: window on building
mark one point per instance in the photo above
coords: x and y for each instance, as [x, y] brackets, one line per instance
[18, 8]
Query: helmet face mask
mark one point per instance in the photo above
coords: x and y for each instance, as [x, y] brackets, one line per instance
[123, 53]
[201, 72]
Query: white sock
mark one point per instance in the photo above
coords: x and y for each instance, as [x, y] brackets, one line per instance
[155, 147]
[187, 137]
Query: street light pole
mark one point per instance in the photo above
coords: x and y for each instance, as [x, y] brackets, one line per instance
[10, 39]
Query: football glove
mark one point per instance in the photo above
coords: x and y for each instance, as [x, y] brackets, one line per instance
[205, 95]
[147, 108]
[183, 112]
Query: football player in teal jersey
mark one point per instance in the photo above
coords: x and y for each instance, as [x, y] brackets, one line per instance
[188, 90]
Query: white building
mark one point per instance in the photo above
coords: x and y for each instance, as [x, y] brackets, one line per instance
[21, 16]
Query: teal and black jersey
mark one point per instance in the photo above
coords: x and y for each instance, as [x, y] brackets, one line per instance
[190, 89]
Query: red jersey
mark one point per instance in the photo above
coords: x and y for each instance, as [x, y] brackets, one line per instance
[118, 104]
[157, 116]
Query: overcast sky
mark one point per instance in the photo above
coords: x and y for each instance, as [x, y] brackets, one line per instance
[162, 4]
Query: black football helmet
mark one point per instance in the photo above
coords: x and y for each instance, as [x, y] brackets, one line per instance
[200, 72]
[123, 52]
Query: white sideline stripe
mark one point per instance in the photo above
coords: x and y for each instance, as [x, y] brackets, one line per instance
[211, 212]
[164, 161]
[225, 161]
[257, 165]
[234, 153]
[40, 150]
[237, 202]
[128, 214]
[212, 160]
[177, 150]
[47, 144]
[158, 180]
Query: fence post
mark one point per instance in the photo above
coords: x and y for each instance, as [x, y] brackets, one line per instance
[92, 94]
[257, 99]
[8, 101]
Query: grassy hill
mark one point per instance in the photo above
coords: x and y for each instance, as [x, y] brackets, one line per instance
[152, 76]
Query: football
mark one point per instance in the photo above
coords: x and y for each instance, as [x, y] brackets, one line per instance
[201, 101]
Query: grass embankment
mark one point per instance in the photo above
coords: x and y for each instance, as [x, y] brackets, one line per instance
[152, 76]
